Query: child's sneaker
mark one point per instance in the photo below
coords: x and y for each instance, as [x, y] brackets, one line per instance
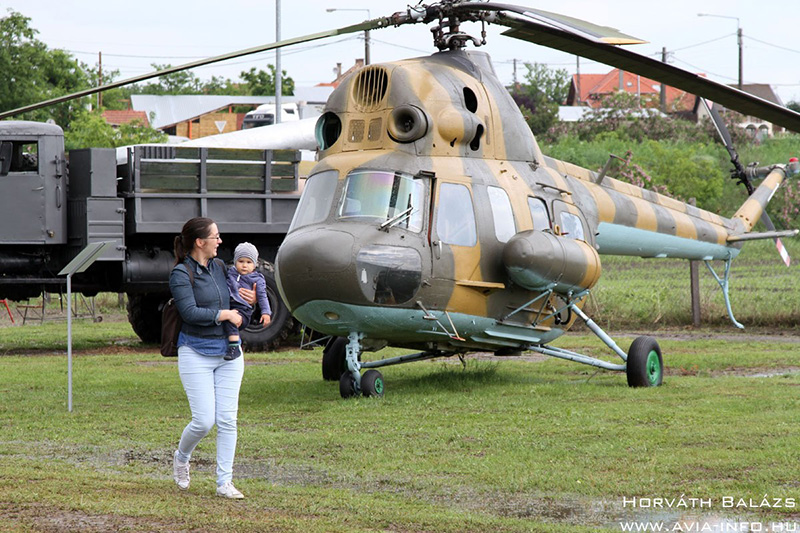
[227, 490]
[234, 351]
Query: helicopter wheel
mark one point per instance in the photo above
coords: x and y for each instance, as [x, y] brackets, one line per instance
[372, 384]
[645, 366]
[347, 385]
[333, 359]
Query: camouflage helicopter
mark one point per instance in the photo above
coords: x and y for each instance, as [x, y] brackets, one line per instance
[434, 222]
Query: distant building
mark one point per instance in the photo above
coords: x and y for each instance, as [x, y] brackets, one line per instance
[756, 127]
[588, 90]
[340, 76]
[116, 118]
[594, 87]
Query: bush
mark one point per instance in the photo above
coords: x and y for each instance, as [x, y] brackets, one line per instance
[672, 155]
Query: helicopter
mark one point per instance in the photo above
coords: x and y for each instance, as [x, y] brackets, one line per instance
[433, 221]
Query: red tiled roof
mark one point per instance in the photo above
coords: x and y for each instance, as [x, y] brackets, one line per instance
[594, 86]
[125, 116]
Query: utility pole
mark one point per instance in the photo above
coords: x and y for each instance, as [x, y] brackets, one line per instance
[741, 60]
[663, 91]
[366, 46]
[578, 79]
[515, 72]
[99, 79]
[738, 41]
[278, 75]
[366, 32]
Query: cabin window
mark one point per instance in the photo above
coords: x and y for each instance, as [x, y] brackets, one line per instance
[380, 196]
[503, 215]
[571, 226]
[455, 217]
[539, 216]
[19, 157]
[317, 199]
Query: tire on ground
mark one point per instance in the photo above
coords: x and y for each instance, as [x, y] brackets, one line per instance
[144, 315]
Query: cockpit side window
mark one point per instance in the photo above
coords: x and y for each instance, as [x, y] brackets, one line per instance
[317, 199]
[539, 216]
[571, 226]
[455, 216]
[502, 213]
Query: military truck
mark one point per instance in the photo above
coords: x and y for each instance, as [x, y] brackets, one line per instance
[52, 204]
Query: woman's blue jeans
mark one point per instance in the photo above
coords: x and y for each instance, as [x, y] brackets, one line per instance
[212, 386]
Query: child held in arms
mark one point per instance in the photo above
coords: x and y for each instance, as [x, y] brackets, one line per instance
[243, 274]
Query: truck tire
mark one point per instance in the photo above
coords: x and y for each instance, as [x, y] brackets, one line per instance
[144, 315]
[258, 338]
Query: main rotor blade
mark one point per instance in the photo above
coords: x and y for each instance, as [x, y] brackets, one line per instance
[366, 25]
[584, 28]
[527, 28]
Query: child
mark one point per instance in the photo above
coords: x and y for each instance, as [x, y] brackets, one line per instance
[243, 274]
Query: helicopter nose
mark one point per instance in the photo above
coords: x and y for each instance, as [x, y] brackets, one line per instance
[310, 262]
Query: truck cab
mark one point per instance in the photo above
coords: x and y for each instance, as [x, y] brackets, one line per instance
[33, 184]
[264, 115]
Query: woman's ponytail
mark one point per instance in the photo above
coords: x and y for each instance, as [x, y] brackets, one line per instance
[195, 228]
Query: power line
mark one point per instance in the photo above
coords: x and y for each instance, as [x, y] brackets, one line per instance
[696, 68]
[699, 44]
[774, 45]
[400, 46]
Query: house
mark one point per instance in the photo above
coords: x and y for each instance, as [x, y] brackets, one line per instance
[340, 76]
[116, 118]
[590, 89]
[754, 126]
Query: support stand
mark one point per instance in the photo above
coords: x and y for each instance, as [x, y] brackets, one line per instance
[81, 262]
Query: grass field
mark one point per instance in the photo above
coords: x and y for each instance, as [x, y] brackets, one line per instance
[501, 445]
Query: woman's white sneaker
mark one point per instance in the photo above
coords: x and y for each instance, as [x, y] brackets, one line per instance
[227, 490]
[180, 472]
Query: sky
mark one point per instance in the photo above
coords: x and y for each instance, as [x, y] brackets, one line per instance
[134, 35]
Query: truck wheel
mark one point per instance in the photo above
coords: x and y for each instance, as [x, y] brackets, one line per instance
[258, 338]
[144, 314]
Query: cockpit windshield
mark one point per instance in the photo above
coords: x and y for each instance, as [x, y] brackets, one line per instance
[384, 196]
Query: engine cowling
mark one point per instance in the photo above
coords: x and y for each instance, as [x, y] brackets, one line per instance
[539, 261]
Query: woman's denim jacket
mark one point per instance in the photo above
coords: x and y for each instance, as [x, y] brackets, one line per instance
[200, 305]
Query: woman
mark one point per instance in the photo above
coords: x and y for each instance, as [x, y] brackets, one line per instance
[211, 383]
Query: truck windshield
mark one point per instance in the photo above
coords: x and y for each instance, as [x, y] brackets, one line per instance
[381, 195]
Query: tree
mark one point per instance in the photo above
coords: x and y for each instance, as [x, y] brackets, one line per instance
[262, 83]
[89, 129]
[33, 73]
[794, 105]
[540, 95]
[183, 82]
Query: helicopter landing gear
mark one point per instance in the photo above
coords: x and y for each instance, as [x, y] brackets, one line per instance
[645, 366]
[347, 352]
[350, 380]
[372, 383]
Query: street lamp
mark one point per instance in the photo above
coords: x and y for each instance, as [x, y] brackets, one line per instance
[366, 32]
[738, 38]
